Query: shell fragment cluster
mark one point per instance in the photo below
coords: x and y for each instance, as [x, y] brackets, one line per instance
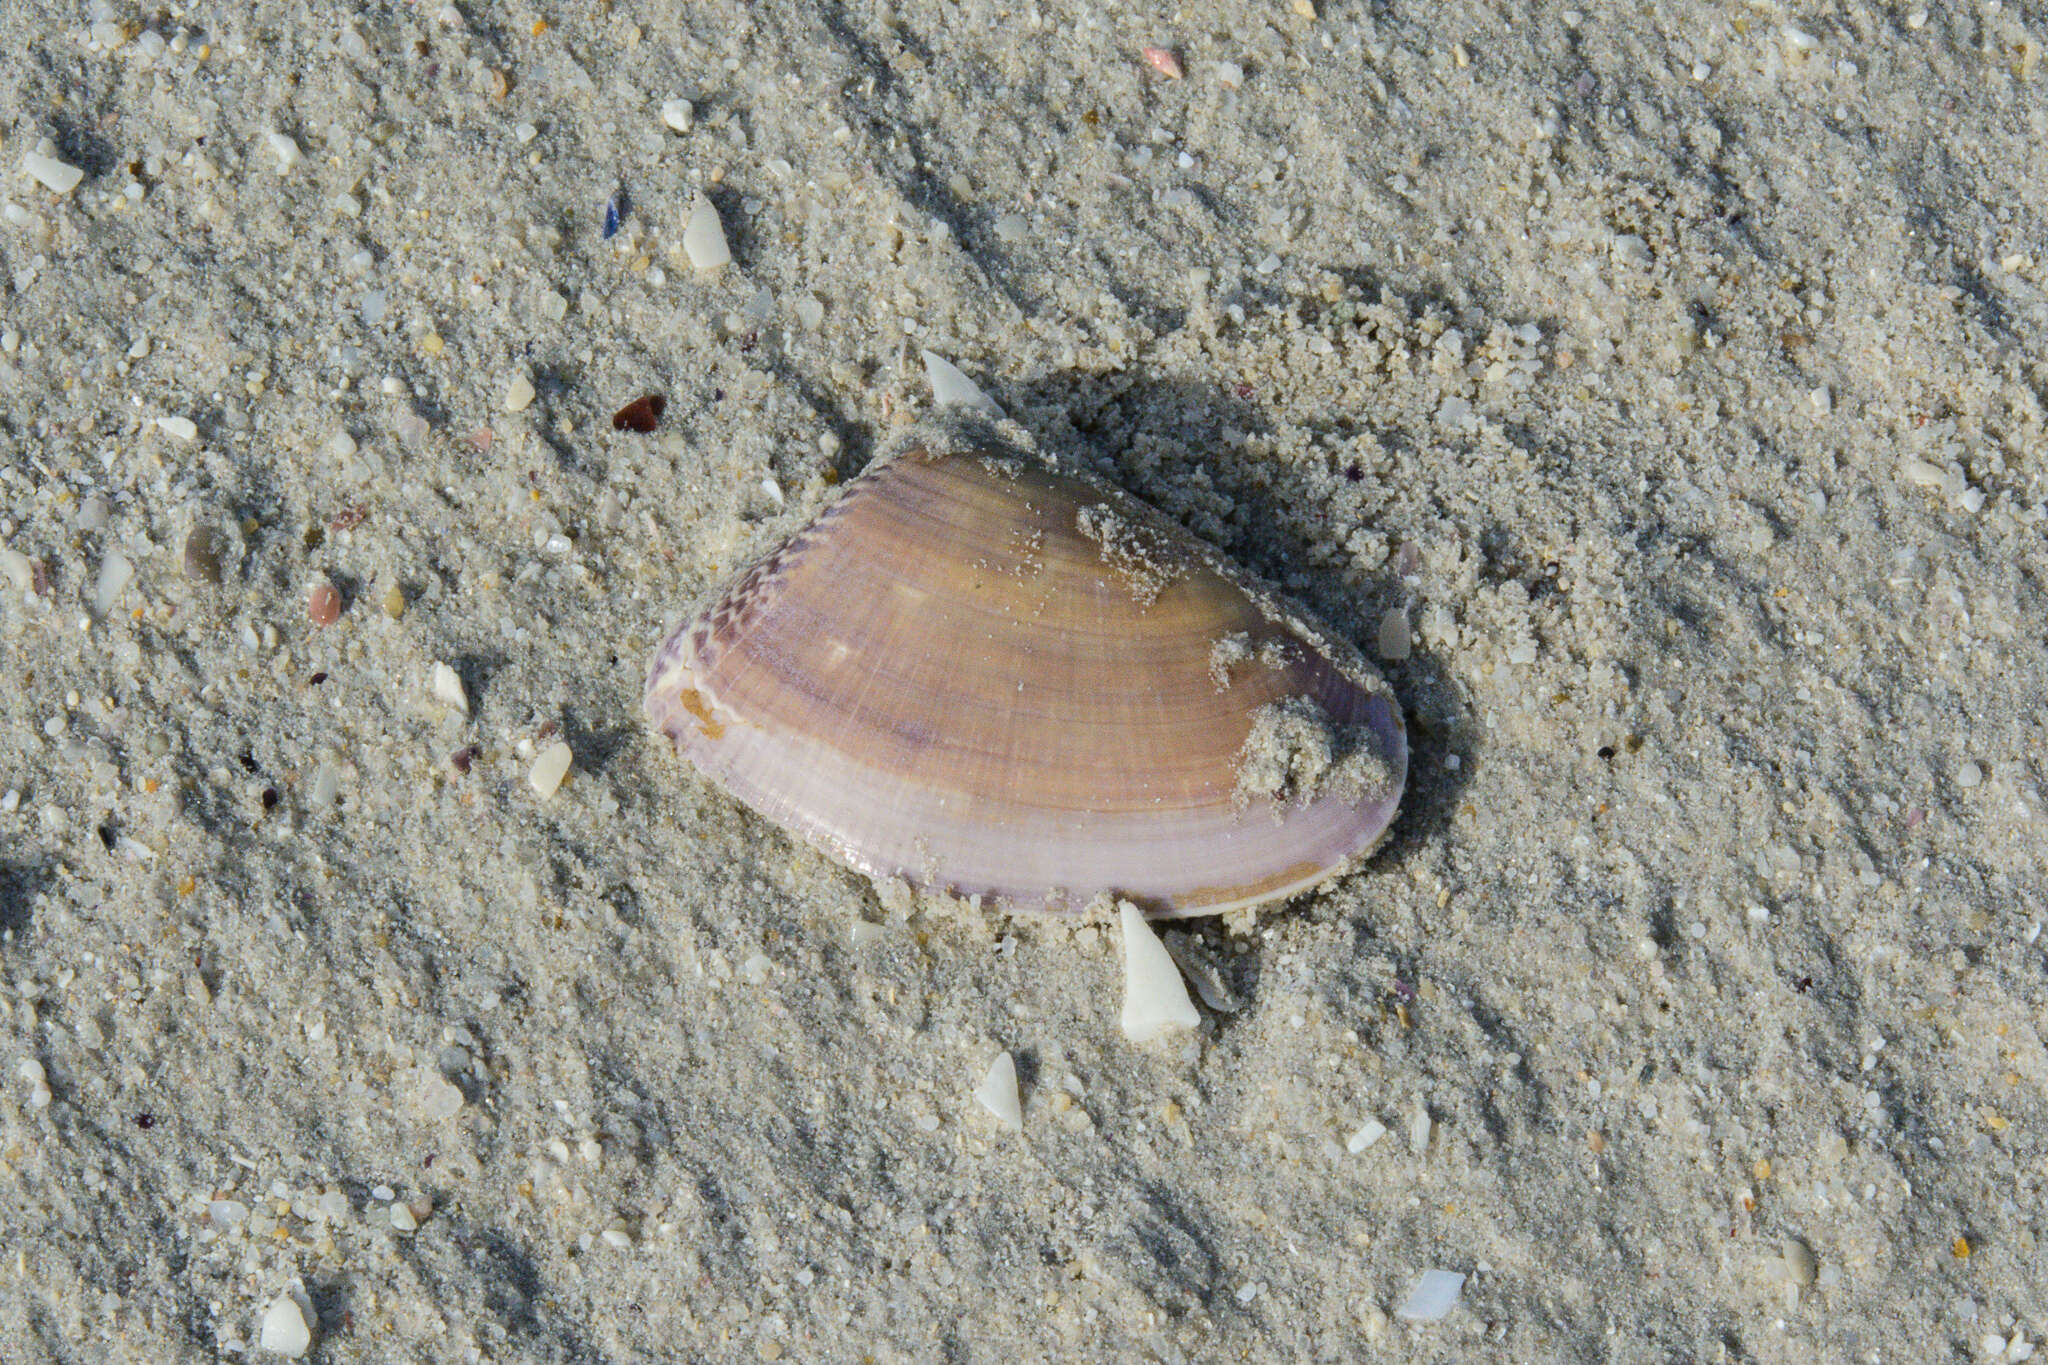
[990, 676]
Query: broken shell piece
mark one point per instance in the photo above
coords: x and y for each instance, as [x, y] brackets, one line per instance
[983, 675]
[448, 688]
[284, 1330]
[549, 769]
[998, 1093]
[58, 177]
[949, 385]
[1155, 998]
[704, 237]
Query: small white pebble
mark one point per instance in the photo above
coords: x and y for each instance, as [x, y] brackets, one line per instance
[526, 133]
[117, 571]
[617, 1236]
[1969, 775]
[184, 428]
[1365, 1137]
[287, 151]
[550, 768]
[58, 177]
[1247, 1292]
[519, 395]
[1920, 473]
[1419, 1126]
[402, 1219]
[678, 114]
[284, 1331]
[704, 237]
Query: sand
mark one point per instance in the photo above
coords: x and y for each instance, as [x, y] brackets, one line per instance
[1657, 394]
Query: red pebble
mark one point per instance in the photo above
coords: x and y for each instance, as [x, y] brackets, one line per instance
[642, 414]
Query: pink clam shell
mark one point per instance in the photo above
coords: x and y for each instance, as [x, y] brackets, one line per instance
[988, 677]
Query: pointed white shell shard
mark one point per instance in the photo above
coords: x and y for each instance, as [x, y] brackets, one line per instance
[977, 674]
[549, 769]
[998, 1093]
[448, 688]
[704, 237]
[1155, 998]
[949, 385]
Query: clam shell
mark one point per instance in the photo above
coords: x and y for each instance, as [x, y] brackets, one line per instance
[985, 675]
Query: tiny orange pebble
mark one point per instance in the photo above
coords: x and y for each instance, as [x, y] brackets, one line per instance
[149, 785]
[186, 886]
[1961, 1248]
[540, 26]
[1763, 1170]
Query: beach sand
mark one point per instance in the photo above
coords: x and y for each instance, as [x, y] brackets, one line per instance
[1665, 384]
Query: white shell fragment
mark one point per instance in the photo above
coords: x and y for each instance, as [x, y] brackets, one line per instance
[1155, 998]
[704, 237]
[284, 1331]
[1369, 1133]
[184, 428]
[984, 675]
[997, 1093]
[1433, 1297]
[949, 385]
[549, 769]
[448, 688]
[117, 571]
[679, 115]
[58, 177]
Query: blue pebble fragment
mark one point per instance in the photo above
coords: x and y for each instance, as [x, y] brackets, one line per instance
[615, 210]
